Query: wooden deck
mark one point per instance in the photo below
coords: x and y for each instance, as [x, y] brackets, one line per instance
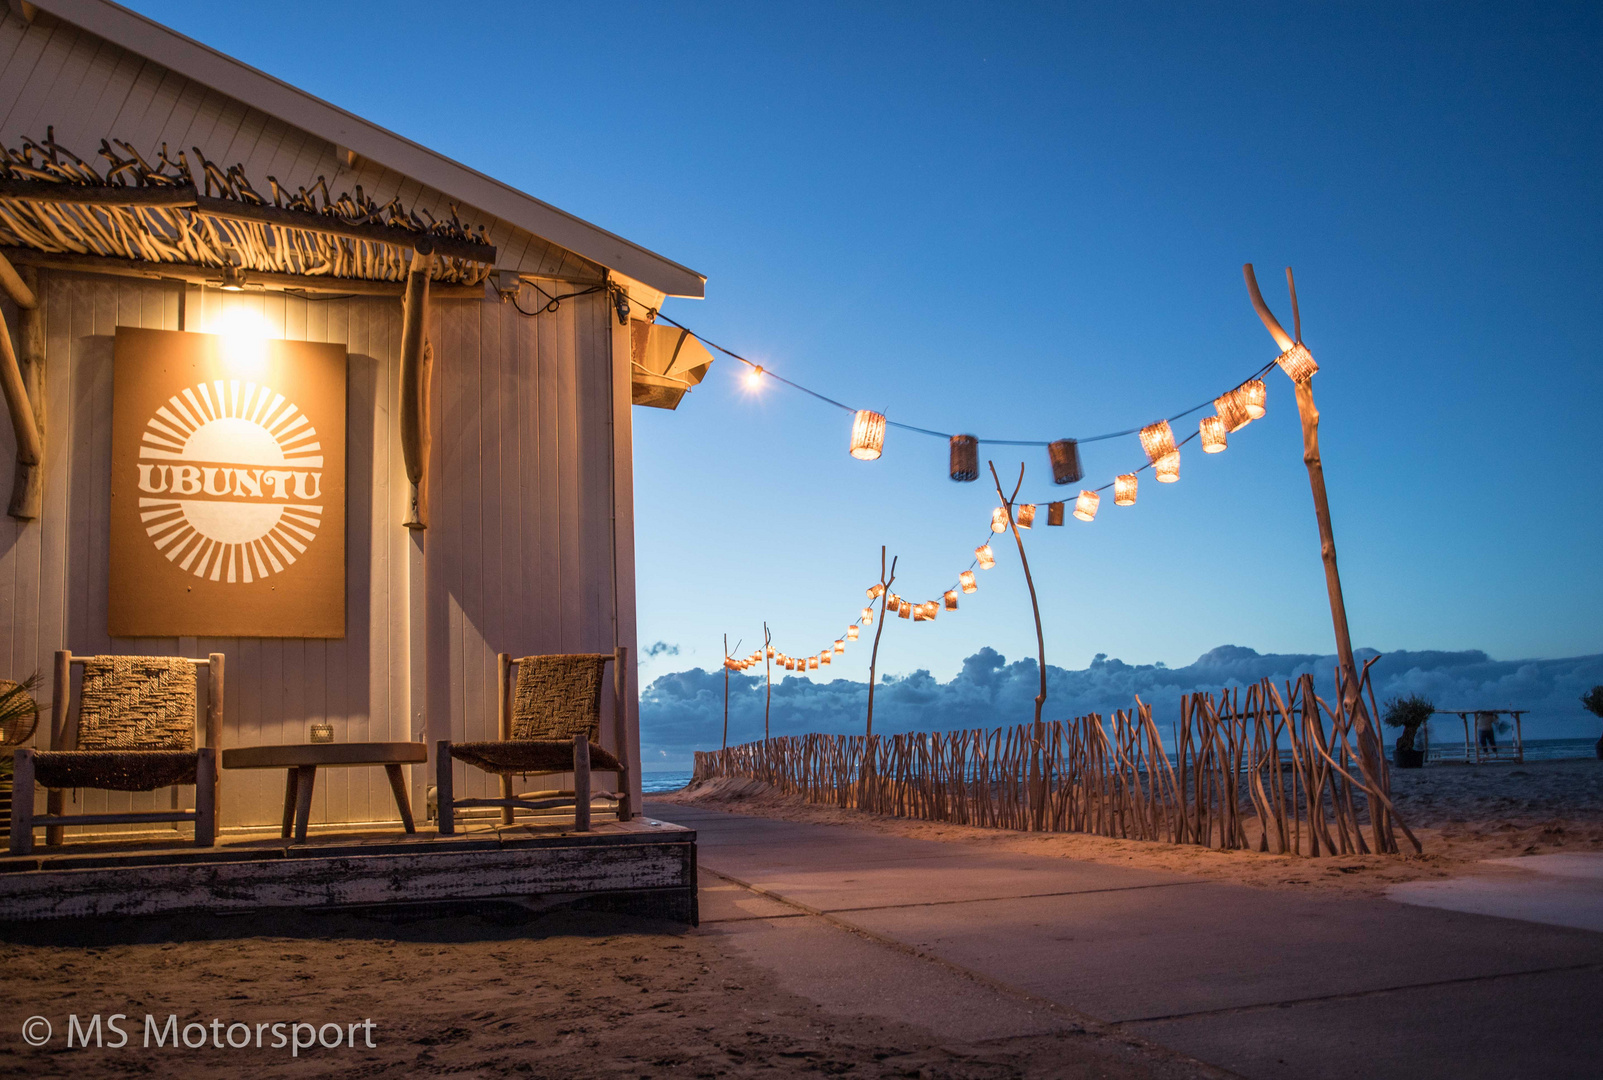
[644, 865]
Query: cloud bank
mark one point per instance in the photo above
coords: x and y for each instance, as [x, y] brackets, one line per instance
[683, 712]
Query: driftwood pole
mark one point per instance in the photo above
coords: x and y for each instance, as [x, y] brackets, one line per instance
[873, 658]
[1352, 700]
[726, 691]
[1040, 639]
[768, 669]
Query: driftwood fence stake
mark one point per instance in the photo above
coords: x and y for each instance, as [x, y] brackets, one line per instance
[1035, 606]
[768, 669]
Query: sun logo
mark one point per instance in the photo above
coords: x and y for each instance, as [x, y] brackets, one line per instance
[230, 481]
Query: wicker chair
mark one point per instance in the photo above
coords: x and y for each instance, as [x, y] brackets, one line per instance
[135, 730]
[550, 723]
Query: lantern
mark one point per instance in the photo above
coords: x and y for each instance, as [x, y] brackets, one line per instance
[1054, 513]
[840, 644]
[1158, 440]
[931, 609]
[1026, 515]
[1252, 394]
[790, 663]
[770, 652]
[1065, 457]
[1167, 468]
[825, 657]
[983, 553]
[812, 663]
[893, 601]
[1124, 489]
[965, 465]
[999, 519]
[874, 591]
[1297, 362]
[905, 609]
[868, 435]
[1232, 410]
[966, 579]
[1213, 435]
[920, 613]
[851, 633]
[868, 616]
[951, 599]
[1085, 506]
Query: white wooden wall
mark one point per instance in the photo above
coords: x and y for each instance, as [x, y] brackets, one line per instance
[520, 548]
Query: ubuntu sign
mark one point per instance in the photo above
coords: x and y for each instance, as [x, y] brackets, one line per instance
[228, 487]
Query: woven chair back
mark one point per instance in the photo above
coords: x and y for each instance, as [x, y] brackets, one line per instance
[558, 697]
[137, 703]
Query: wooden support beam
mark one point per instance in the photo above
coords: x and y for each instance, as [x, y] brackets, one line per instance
[209, 275]
[21, 292]
[23, 380]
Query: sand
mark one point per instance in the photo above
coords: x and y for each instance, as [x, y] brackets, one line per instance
[563, 994]
[1462, 814]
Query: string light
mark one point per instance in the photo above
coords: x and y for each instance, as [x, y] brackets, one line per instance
[951, 598]
[1158, 441]
[851, 633]
[1298, 362]
[1064, 455]
[868, 616]
[984, 555]
[999, 519]
[1232, 410]
[840, 645]
[966, 579]
[874, 590]
[1124, 488]
[1213, 434]
[1054, 513]
[905, 608]
[1253, 392]
[812, 663]
[965, 459]
[1026, 515]
[825, 657]
[1167, 468]
[1085, 506]
[868, 435]
[919, 614]
[754, 377]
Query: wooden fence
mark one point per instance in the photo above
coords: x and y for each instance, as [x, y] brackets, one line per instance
[1251, 769]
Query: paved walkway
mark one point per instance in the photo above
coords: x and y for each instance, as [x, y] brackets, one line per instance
[1262, 983]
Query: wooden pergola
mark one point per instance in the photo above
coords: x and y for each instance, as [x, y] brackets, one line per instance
[1472, 747]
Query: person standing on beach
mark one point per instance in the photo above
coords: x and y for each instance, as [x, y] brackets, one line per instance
[1486, 726]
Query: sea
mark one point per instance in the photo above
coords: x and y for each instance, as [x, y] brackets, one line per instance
[655, 783]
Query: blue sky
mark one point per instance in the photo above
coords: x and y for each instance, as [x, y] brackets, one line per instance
[1029, 222]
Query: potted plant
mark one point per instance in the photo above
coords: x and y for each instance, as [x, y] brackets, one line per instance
[1592, 702]
[1409, 713]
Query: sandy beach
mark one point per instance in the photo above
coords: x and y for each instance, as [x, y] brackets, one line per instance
[1462, 814]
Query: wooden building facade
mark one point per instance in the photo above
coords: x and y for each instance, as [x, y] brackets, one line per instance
[529, 544]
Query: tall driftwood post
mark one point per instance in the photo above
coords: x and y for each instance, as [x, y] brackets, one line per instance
[873, 657]
[768, 671]
[23, 384]
[1352, 699]
[726, 691]
[417, 362]
[1035, 606]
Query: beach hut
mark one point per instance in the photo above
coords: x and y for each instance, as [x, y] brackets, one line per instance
[293, 389]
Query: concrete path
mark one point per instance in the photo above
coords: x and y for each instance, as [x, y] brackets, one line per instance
[1562, 890]
[1262, 983]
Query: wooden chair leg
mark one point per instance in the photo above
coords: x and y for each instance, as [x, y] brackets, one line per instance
[581, 783]
[445, 809]
[402, 803]
[620, 729]
[304, 785]
[289, 801]
[62, 737]
[206, 797]
[22, 802]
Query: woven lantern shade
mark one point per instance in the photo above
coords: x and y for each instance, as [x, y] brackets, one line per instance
[1298, 362]
[986, 557]
[1026, 515]
[1158, 440]
[1253, 392]
[1232, 410]
[868, 435]
[905, 609]
[965, 458]
[966, 579]
[920, 613]
[951, 599]
[1124, 487]
[770, 652]
[851, 633]
[1213, 435]
[1065, 458]
[932, 608]
[790, 663]
[874, 590]
[999, 519]
[1085, 506]
[868, 616]
[1167, 468]
[812, 663]
[893, 601]
[825, 657]
[1054, 513]
[840, 644]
